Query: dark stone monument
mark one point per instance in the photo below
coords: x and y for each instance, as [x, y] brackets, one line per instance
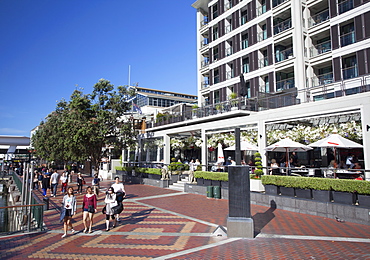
[239, 221]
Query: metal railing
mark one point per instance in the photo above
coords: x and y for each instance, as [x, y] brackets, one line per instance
[263, 62]
[347, 39]
[262, 36]
[318, 18]
[286, 95]
[21, 218]
[320, 48]
[283, 26]
[261, 10]
[345, 6]
[349, 73]
[322, 79]
[283, 55]
[244, 44]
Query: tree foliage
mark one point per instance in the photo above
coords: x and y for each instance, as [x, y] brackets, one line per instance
[78, 129]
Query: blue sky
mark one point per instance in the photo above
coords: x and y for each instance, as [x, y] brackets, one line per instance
[47, 47]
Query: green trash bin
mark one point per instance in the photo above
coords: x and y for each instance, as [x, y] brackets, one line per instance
[217, 192]
[209, 191]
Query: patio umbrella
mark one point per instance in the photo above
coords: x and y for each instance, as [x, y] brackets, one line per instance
[220, 154]
[287, 145]
[244, 146]
[336, 141]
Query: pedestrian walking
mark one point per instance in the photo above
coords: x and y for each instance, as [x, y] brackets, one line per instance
[89, 209]
[63, 182]
[80, 182]
[45, 184]
[110, 202]
[70, 207]
[35, 184]
[120, 193]
[54, 179]
[96, 185]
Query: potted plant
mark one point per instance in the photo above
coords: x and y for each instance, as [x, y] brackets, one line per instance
[233, 100]
[258, 162]
[218, 107]
[195, 110]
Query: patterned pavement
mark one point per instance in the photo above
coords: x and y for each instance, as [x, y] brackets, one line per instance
[165, 224]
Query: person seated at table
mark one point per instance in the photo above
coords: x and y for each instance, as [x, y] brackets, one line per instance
[274, 168]
[342, 165]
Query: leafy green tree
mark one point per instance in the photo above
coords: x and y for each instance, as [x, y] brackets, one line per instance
[77, 130]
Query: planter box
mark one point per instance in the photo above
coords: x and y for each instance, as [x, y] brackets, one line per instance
[256, 185]
[200, 181]
[303, 193]
[271, 189]
[285, 191]
[224, 184]
[322, 195]
[207, 182]
[363, 200]
[154, 176]
[344, 197]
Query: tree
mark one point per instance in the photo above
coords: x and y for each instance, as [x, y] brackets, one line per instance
[77, 130]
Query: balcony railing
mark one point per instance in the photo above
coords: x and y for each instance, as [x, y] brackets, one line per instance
[216, 79]
[323, 79]
[277, 2]
[283, 26]
[204, 42]
[204, 22]
[286, 95]
[215, 14]
[318, 18]
[345, 6]
[205, 84]
[261, 10]
[285, 84]
[245, 68]
[349, 73]
[263, 62]
[228, 5]
[347, 39]
[283, 55]
[229, 51]
[204, 63]
[215, 35]
[245, 44]
[228, 28]
[320, 48]
[215, 57]
[229, 74]
[262, 36]
[244, 19]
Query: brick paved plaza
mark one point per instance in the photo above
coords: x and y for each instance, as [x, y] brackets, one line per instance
[165, 224]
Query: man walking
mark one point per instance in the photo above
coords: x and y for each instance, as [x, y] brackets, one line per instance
[54, 179]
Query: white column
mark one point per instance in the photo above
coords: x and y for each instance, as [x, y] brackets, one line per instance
[262, 142]
[365, 121]
[166, 149]
[204, 150]
[298, 48]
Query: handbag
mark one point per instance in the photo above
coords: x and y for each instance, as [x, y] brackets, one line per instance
[117, 209]
[62, 214]
[90, 209]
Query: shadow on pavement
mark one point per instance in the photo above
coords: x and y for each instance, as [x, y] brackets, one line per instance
[262, 219]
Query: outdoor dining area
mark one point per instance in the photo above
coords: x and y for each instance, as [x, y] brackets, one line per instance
[283, 158]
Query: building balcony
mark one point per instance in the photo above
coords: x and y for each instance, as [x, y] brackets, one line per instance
[277, 2]
[244, 44]
[261, 10]
[323, 79]
[286, 95]
[320, 48]
[318, 18]
[204, 63]
[283, 26]
[262, 36]
[243, 19]
[347, 39]
[283, 55]
[263, 62]
[205, 84]
[204, 22]
[228, 29]
[229, 51]
[230, 74]
[345, 6]
[349, 73]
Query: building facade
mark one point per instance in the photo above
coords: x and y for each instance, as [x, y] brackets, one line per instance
[274, 68]
[314, 48]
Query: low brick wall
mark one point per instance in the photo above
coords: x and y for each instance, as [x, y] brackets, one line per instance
[355, 214]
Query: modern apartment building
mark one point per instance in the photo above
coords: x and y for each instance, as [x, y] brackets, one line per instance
[273, 67]
[313, 49]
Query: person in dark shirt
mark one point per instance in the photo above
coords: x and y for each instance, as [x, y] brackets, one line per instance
[45, 184]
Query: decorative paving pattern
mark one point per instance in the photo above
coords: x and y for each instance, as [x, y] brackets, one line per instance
[165, 224]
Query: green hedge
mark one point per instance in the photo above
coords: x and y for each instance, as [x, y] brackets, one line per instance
[123, 168]
[216, 176]
[362, 187]
[150, 170]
